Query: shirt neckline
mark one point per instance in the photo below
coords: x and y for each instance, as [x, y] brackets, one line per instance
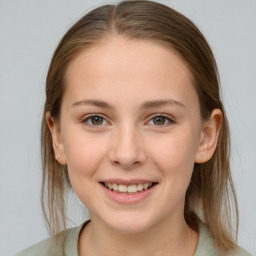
[71, 246]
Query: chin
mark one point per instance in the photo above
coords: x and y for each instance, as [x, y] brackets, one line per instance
[129, 223]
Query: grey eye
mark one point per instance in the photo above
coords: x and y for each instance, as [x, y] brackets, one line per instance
[94, 120]
[159, 120]
[97, 120]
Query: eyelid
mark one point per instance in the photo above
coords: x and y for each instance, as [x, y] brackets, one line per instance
[88, 117]
[166, 116]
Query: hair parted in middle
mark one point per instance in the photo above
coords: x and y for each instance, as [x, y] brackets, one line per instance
[211, 191]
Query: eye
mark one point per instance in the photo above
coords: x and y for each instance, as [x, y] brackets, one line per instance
[94, 120]
[162, 120]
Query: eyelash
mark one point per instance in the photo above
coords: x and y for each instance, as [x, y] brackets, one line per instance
[165, 116]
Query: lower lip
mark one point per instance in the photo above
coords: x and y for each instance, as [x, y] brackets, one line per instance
[126, 198]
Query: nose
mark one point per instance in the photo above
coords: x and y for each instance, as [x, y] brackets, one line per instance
[126, 148]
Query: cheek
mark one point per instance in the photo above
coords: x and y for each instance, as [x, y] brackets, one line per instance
[83, 154]
[174, 155]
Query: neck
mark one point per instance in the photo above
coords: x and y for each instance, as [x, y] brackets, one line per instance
[165, 238]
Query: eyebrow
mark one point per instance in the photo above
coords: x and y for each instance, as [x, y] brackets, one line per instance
[160, 103]
[145, 105]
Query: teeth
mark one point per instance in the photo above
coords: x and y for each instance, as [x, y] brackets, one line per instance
[123, 188]
[115, 187]
[145, 186]
[131, 188]
[110, 185]
[140, 187]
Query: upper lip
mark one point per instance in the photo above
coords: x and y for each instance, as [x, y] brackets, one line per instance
[128, 182]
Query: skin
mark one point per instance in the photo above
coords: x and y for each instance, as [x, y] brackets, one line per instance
[129, 143]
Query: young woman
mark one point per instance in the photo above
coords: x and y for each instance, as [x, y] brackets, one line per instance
[134, 125]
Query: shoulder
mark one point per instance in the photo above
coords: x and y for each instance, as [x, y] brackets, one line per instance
[206, 246]
[240, 252]
[40, 249]
[50, 247]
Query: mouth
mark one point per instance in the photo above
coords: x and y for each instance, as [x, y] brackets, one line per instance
[129, 189]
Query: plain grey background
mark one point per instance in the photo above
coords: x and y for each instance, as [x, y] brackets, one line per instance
[30, 31]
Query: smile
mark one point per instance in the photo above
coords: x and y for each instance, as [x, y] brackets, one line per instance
[129, 189]
[130, 193]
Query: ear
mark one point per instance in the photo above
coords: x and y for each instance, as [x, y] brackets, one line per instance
[209, 137]
[57, 143]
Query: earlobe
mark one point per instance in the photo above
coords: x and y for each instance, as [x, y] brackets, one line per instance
[209, 137]
[57, 143]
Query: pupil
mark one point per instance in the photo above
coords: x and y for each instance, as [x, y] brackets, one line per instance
[159, 120]
[97, 120]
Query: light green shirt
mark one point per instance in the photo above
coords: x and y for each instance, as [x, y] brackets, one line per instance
[47, 247]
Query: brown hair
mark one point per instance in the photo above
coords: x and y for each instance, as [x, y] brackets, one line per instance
[211, 192]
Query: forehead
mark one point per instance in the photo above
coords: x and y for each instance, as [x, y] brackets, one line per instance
[130, 67]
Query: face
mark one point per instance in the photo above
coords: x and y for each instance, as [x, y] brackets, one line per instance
[130, 115]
